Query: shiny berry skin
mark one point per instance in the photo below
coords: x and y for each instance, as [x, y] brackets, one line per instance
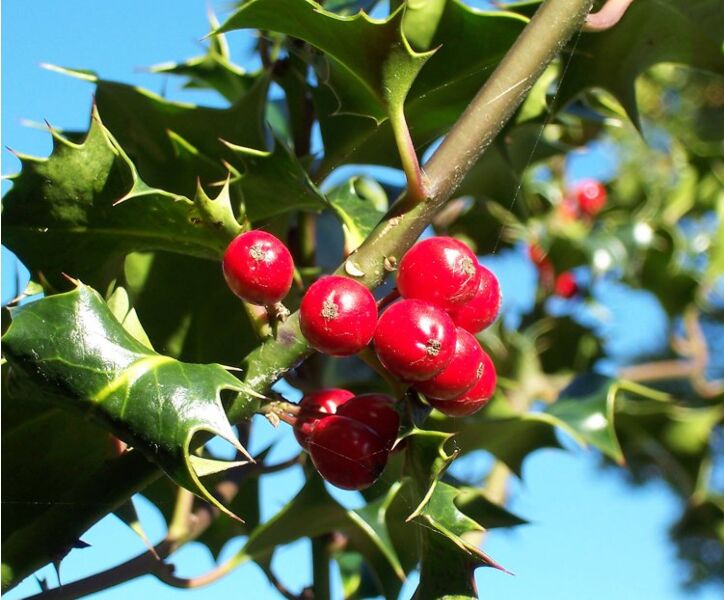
[474, 399]
[591, 196]
[377, 412]
[315, 406]
[415, 340]
[440, 270]
[483, 308]
[338, 315]
[566, 285]
[258, 268]
[347, 453]
[461, 374]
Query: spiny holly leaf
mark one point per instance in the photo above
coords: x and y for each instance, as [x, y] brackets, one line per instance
[371, 64]
[313, 512]
[72, 346]
[82, 209]
[469, 44]
[358, 214]
[440, 524]
[426, 461]
[272, 183]
[213, 70]
[650, 32]
[46, 451]
[53, 462]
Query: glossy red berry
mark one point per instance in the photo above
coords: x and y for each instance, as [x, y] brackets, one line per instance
[483, 308]
[415, 340]
[566, 285]
[440, 270]
[316, 406]
[377, 412]
[461, 374]
[258, 268]
[347, 453]
[591, 196]
[475, 398]
[338, 315]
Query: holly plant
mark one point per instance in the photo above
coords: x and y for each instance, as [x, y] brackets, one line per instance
[194, 267]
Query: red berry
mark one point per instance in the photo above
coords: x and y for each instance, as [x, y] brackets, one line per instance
[347, 453]
[415, 340]
[440, 270]
[258, 268]
[474, 399]
[338, 315]
[566, 285]
[591, 196]
[461, 374]
[316, 406]
[482, 309]
[377, 412]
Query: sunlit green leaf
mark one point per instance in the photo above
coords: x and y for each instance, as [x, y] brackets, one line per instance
[73, 348]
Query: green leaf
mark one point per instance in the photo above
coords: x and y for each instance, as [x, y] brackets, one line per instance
[273, 183]
[53, 462]
[81, 210]
[142, 122]
[371, 64]
[448, 560]
[357, 213]
[72, 346]
[469, 44]
[509, 436]
[313, 512]
[650, 32]
[213, 70]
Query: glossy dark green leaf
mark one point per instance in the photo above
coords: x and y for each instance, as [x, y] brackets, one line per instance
[73, 348]
[61, 473]
[370, 63]
[439, 523]
[272, 183]
[650, 32]
[81, 210]
[469, 44]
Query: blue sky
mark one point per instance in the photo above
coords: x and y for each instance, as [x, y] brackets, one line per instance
[591, 535]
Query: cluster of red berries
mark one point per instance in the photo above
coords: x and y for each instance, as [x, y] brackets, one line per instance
[426, 339]
[348, 437]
